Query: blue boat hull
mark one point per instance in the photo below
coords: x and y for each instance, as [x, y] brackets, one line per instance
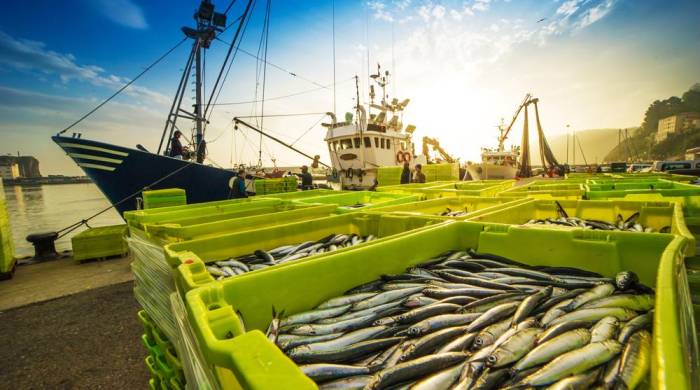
[123, 173]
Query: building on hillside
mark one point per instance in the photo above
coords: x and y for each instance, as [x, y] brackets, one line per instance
[693, 154]
[28, 166]
[9, 170]
[675, 123]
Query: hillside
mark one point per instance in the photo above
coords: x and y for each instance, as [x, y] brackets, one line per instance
[641, 144]
[595, 143]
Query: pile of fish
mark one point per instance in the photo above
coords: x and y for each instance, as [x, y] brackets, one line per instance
[466, 320]
[357, 205]
[449, 213]
[630, 224]
[262, 259]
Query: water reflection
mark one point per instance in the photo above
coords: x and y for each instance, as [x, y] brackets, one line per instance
[53, 207]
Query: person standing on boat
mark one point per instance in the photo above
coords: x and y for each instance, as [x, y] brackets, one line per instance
[406, 173]
[238, 186]
[419, 176]
[176, 150]
[307, 181]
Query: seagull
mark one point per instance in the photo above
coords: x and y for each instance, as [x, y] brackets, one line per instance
[542, 20]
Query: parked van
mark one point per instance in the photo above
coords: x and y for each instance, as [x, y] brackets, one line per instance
[637, 167]
[663, 166]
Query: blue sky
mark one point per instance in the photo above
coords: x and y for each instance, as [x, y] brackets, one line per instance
[464, 64]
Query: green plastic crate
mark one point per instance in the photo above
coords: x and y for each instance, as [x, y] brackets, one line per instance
[154, 384]
[169, 233]
[296, 195]
[474, 205]
[192, 255]
[404, 188]
[166, 372]
[147, 323]
[151, 346]
[652, 214]
[99, 242]
[7, 259]
[657, 259]
[571, 191]
[371, 200]
[485, 188]
[687, 194]
[389, 176]
[175, 363]
[161, 340]
[202, 212]
[164, 198]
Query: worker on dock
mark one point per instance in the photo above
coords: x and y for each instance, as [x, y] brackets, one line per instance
[238, 186]
[176, 150]
[406, 173]
[307, 182]
[419, 176]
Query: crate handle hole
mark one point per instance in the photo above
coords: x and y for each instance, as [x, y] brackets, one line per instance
[214, 307]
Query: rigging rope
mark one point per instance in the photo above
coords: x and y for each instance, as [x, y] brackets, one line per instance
[309, 129]
[149, 67]
[264, 77]
[334, 96]
[283, 96]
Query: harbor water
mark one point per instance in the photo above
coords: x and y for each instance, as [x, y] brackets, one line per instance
[52, 207]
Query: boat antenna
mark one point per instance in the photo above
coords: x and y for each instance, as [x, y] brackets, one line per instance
[393, 59]
[333, 26]
[262, 103]
[125, 86]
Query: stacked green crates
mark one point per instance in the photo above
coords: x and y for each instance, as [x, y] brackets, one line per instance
[439, 172]
[7, 259]
[389, 176]
[244, 352]
[275, 186]
[164, 198]
[99, 242]
[162, 360]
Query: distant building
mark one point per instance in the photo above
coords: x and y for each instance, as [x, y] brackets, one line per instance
[27, 166]
[675, 123]
[692, 154]
[9, 170]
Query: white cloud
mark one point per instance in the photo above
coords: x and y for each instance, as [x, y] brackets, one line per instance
[481, 5]
[123, 12]
[439, 12]
[568, 7]
[33, 56]
[380, 11]
[455, 15]
[596, 13]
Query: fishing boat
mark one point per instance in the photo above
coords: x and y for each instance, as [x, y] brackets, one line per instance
[121, 173]
[502, 163]
[373, 137]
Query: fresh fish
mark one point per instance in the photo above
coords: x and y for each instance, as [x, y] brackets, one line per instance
[347, 354]
[288, 341]
[563, 327]
[494, 315]
[380, 310]
[430, 342]
[626, 279]
[440, 322]
[440, 293]
[484, 304]
[490, 334]
[555, 312]
[440, 380]
[459, 344]
[595, 293]
[314, 315]
[528, 304]
[343, 341]
[577, 382]
[345, 300]
[544, 352]
[638, 323]
[321, 372]
[642, 303]
[491, 379]
[335, 327]
[596, 314]
[413, 369]
[635, 361]
[514, 348]
[604, 329]
[215, 271]
[574, 362]
[357, 382]
[385, 297]
[424, 312]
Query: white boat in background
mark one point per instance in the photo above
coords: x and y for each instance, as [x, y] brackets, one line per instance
[496, 164]
[373, 137]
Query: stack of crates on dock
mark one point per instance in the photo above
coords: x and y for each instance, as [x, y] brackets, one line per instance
[389, 176]
[7, 260]
[162, 360]
[275, 186]
[99, 242]
[164, 198]
[216, 325]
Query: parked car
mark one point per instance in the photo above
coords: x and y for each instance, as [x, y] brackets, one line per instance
[663, 166]
[637, 167]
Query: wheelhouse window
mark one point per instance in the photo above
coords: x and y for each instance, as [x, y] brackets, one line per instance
[345, 144]
[382, 142]
[368, 143]
[356, 141]
[335, 146]
[376, 142]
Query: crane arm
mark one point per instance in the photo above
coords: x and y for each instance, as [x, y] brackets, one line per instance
[427, 141]
[504, 135]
